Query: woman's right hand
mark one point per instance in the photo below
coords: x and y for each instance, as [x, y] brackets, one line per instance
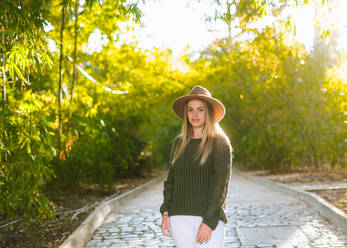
[165, 225]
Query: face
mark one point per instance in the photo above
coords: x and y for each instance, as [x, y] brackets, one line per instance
[196, 113]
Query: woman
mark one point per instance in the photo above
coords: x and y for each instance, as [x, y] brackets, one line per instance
[196, 187]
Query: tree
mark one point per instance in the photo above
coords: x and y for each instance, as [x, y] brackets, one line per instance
[277, 112]
[23, 47]
[244, 14]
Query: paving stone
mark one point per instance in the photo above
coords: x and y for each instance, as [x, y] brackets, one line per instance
[258, 217]
[272, 236]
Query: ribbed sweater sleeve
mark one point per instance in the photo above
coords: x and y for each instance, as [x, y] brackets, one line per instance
[168, 183]
[220, 181]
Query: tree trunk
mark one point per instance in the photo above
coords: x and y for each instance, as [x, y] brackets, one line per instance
[4, 79]
[228, 19]
[74, 53]
[60, 79]
[314, 152]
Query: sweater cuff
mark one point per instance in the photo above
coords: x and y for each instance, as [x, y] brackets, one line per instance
[211, 223]
[163, 208]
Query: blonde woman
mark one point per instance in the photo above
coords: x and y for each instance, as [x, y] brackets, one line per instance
[195, 191]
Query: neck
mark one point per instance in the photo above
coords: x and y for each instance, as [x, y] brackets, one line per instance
[197, 132]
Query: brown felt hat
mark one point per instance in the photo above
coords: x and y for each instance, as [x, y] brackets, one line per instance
[199, 92]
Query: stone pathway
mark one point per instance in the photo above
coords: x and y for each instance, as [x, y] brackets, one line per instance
[258, 217]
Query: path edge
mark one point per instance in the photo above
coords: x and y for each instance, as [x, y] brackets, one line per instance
[325, 209]
[85, 231]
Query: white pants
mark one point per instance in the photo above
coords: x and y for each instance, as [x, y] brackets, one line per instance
[185, 230]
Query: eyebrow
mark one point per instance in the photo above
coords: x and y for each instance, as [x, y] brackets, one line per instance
[197, 107]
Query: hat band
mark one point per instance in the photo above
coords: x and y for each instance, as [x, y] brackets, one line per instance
[197, 94]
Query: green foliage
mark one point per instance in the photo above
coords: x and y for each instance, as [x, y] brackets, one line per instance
[277, 113]
[284, 107]
[29, 125]
[22, 45]
[334, 107]
[124, 132]
[248, 14]
[25, 156]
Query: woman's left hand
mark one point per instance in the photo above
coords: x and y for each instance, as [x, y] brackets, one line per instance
[204, 233]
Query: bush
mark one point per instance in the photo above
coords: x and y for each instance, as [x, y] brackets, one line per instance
[25, 157]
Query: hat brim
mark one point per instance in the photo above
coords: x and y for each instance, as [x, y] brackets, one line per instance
[218, 107]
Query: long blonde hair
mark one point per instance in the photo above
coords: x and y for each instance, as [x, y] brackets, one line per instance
[211, 129]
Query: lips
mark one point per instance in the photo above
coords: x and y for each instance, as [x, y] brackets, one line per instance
[195, 120]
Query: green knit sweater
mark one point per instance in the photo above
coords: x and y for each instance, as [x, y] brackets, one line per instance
[199, 190]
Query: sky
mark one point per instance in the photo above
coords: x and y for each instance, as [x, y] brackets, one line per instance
[175, 24]
[171, 24]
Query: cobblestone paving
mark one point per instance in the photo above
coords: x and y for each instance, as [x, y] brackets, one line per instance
[258, 217]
